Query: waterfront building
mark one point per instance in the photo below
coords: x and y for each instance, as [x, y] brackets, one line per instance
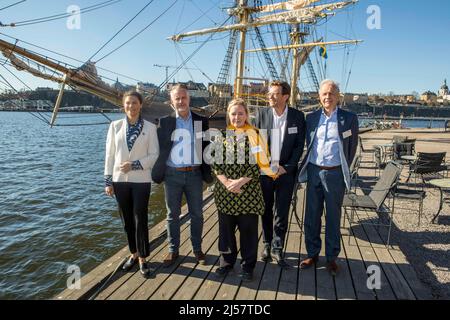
[429, 97]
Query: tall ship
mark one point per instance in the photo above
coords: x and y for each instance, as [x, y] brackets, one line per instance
[267, 41]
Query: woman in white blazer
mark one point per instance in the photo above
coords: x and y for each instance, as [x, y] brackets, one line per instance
[131, 151]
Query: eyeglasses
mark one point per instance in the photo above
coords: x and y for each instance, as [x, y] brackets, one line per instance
[275, 94]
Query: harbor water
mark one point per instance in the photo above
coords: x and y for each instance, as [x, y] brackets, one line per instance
[53, 210]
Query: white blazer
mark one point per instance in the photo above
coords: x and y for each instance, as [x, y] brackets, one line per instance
[145, 149]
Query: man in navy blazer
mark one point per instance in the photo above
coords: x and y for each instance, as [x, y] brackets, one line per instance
[285, 129]
[332, 139]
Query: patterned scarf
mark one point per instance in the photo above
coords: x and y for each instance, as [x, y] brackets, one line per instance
[133, 132]
[258, 147]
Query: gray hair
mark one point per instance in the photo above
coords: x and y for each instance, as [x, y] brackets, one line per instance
[332, 83]
[179, 86]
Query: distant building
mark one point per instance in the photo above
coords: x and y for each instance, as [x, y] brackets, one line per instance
[195, 89]
[347, 98]
[429, 97]
[122, 87]
[444, 94]
[444, 90]
[147, 88]
[352, 98]
[44, 89]
[220, 90]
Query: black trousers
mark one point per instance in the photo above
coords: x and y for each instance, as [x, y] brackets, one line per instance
[277, 191]
[132, 199]
[248, 233]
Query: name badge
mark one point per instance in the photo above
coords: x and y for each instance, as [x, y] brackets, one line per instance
[292, 130]
[256, 149]
[199, 135]
[347, 134]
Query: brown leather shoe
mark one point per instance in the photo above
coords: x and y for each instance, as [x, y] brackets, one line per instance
[170, 259]
[201, 257]
[309, 262]
[332, 267]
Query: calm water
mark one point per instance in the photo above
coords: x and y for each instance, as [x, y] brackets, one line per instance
[410, 124]
[53, 212]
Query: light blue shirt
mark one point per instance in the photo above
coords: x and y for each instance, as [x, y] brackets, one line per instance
[325, 149]
[184, 140]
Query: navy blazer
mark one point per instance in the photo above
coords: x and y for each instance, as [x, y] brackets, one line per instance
[293, 143]
[166, 126]
[348, 129]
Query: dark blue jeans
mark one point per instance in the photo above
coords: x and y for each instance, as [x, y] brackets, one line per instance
[324, 186]
[175, 184]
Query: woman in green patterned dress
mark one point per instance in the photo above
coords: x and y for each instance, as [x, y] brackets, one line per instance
[237, 190]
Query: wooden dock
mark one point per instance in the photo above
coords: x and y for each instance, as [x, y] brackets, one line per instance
[187, 280]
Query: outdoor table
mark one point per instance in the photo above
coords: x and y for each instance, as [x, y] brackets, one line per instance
[409, 158]
[441, 184]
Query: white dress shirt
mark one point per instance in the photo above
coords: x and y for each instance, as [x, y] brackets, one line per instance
[277, 134]
[325, 150]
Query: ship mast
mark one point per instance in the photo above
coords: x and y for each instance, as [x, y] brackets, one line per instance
[295, 39]
[242, 18]
[294, 12]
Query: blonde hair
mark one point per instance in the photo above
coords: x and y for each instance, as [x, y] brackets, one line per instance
[238, 102]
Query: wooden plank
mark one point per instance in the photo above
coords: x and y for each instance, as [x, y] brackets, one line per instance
[345, 289]
[139, 288]
[287, 288]
[324, 281]
[199, 275]
[370, 258]
[398, 283]
[91, 281]
[421, 291]
[273, 282]
[306, 277]
[134, 279]
[356, 264]
[230, 285]
[212, 284]
[186, 268]
[248, 290]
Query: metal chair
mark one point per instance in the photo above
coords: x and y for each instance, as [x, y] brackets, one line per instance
[375, 199]
[411, 195]
[407, 148]
[428, 165]
[379, 163]
[354, 167]
[365, 150]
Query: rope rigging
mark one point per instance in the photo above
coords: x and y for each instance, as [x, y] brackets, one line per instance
[11, 5]
[61, 15]
[121, 29]
[137, 34]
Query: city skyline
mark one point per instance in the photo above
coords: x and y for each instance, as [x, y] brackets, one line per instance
[404, 56]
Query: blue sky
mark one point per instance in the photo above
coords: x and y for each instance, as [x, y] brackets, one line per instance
[409, 53]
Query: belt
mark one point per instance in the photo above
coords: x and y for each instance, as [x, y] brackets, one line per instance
[328, 168]
[187, 169]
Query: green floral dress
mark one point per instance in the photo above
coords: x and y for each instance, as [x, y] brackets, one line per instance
[250, 201]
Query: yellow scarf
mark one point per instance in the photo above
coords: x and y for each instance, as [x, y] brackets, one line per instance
[258, 147]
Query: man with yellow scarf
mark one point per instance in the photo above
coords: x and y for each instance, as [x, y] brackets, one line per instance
[285, 129]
